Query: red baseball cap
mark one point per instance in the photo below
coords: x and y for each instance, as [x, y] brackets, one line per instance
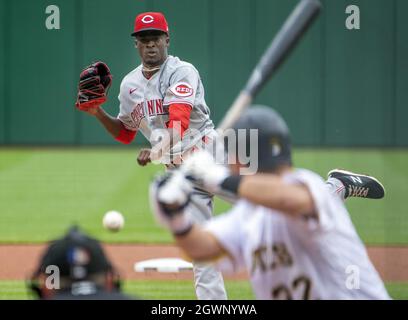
[150, 21]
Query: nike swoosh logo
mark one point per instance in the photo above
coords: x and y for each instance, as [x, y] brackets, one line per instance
[132, 90]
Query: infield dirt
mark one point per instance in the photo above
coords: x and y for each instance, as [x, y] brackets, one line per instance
[18, 261]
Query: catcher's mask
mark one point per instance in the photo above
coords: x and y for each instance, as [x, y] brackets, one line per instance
[79, 258]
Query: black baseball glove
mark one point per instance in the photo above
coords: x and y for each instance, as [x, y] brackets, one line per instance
[94, 83]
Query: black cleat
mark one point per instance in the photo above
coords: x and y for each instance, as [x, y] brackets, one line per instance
[358, 185]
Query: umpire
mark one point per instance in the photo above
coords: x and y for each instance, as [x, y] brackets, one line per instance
[75, 267]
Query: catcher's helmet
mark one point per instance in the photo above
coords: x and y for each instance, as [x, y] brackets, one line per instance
[274, 146]
[77, 255]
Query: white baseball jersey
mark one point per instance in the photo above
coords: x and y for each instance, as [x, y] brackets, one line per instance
[144, 102]
[144, 105]
[298, 258]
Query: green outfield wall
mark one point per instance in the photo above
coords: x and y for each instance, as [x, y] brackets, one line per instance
[340, 87]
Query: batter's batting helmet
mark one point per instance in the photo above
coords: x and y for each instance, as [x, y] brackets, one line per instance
[274, 147]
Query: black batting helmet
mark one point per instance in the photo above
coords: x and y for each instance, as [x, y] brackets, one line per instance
[274, 147]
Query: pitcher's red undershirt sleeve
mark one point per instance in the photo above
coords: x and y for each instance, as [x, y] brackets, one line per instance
[125, 136]
[179, 112]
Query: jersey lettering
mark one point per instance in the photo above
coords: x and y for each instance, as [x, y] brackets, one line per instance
[159, 106]
[301, 284]
[281, 257]
[182, 89]
[154, 107]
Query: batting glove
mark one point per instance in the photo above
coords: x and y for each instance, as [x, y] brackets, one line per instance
[202, 169]
[169, 196]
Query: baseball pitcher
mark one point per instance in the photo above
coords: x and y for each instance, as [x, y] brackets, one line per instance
[162, 98]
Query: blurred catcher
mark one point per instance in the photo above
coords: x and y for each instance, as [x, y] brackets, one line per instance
[83, 271]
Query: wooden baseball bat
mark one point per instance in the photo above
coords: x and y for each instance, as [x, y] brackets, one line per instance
[282, 44]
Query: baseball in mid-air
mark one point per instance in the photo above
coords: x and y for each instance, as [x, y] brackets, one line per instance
[113, 221]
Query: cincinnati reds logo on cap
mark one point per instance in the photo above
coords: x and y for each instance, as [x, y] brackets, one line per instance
[182, 89]
[147, 19]
[150, 21]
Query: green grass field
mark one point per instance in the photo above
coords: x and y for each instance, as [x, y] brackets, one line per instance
[174, 290]
[145, 289]
[43, 191]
